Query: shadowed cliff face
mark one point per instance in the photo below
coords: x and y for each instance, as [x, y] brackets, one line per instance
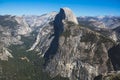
[58, 29]
[65, 14]
[114, 55]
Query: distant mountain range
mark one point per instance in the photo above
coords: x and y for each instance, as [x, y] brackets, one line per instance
[110, 22]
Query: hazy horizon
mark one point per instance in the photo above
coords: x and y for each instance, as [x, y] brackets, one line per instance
[79, 7]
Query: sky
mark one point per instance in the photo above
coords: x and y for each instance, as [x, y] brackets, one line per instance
[79, 7]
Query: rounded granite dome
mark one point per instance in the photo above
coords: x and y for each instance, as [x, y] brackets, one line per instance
[68, 15]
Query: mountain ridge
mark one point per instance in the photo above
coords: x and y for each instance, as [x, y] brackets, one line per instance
[67, 49]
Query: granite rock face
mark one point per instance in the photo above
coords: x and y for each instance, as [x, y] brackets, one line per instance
[68, 15]
[77, 52]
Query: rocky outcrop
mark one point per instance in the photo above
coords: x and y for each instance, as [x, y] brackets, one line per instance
[113, 75]
[5, 54]
[77, 52]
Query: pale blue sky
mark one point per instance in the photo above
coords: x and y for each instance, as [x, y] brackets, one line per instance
[80, 7]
